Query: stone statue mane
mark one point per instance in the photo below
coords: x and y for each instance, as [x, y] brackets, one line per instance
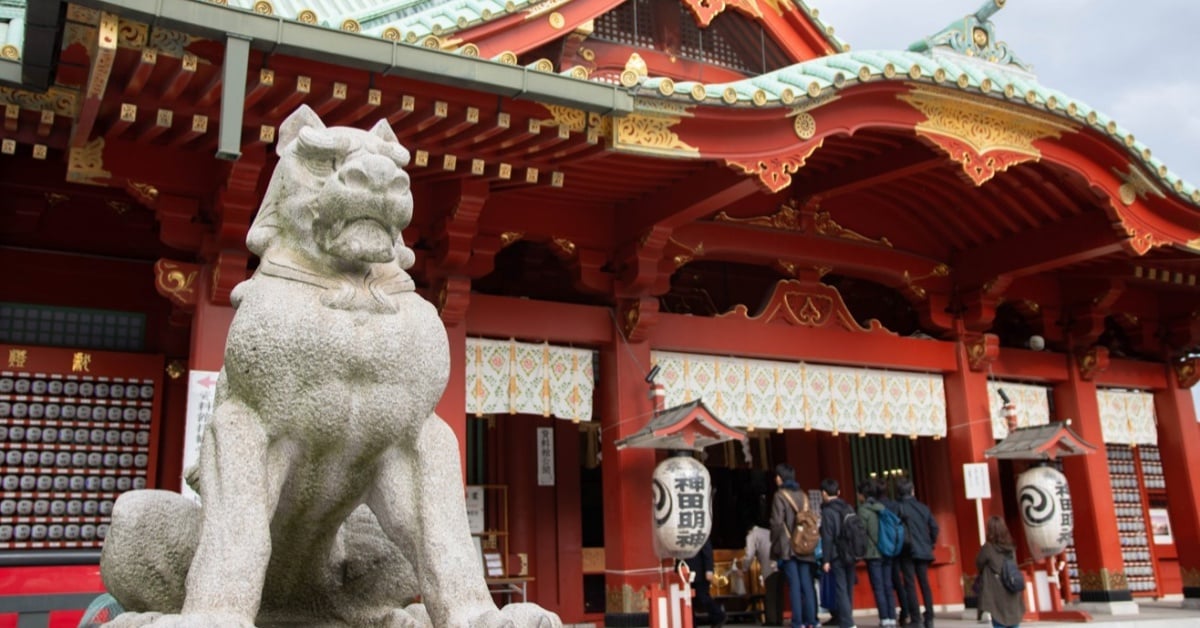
[331, 491]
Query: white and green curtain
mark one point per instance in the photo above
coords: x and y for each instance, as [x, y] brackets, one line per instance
[510, 377]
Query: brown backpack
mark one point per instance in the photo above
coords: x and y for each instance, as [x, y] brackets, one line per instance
[807, 532]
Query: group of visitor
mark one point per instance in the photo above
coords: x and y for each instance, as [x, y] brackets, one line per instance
[894, 537]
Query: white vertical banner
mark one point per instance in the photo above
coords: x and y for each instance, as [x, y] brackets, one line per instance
[202, 388]
[475, 509]
[977, 481]
[545, 456]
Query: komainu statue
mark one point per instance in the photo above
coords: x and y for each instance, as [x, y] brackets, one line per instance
[330, 491]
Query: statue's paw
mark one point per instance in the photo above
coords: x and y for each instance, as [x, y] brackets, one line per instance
[191, 620]
[530, 616]
[132, 620]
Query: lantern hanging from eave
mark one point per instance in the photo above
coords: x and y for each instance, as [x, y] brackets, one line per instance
[682, 490]
[1045, 503]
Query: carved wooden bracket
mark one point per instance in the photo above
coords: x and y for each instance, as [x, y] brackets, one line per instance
[982, 350]
[641, 264]
[1187, 372]
[637, 317]
[979, 310]
[806, 302]
[775, 172]
[229, 270]
[177, 281]
[1092, 362]
[1092, 304]
[456, 231]
[453, 297]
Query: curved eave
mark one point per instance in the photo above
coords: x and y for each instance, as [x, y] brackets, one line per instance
[807, 85]
[796, 28]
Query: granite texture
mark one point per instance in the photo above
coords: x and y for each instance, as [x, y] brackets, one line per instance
[331, 491]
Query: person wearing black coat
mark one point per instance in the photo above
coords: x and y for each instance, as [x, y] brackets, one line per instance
[920, 536]
[1006, 607]
[702, 569]
[833, 511]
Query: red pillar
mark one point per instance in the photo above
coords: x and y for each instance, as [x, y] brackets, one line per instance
[210, 327]
[1179, 443]
[968, 436]
[630, 562]
[453, 405]
[1097, 545]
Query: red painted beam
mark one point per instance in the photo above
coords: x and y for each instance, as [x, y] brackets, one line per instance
[1083, 237]
[526, 319]
[705, 192]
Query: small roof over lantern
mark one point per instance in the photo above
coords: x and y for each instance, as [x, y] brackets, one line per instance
[688, 426]
[1041, 442]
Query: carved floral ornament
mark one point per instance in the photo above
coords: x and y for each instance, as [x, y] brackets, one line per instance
[775, 172]
[790, 217]
[806, 304]
[984, 136]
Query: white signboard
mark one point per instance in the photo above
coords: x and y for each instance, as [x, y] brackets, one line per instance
[545, 456]
[475, 509]
[202, 387]
[975, 477]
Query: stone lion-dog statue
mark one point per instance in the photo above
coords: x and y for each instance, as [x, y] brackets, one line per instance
[331, 493]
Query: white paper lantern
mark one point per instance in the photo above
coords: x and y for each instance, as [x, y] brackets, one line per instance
[1045, 503]
[682, 507]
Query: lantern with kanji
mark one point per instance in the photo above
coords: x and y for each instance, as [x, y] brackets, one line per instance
[682, 488]
[1045, 503]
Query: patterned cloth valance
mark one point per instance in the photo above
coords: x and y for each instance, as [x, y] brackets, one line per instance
[509, 377]
[1032, 401]
[1127, 417]
[769, 394]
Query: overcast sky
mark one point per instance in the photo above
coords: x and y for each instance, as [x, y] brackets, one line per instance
[1135, 61]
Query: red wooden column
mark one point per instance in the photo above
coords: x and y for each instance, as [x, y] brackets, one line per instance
[1103, 587]
[452, 407]
[968, 436]
[629, 559]
[1179, 443]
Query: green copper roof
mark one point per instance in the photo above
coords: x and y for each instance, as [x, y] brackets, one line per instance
[815, 17]
[973, 36]
[806, 82]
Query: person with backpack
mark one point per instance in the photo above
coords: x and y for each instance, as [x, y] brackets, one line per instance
[883, 526]
[1003, 597]
[841, 547]
[794, 535]
[920, 535]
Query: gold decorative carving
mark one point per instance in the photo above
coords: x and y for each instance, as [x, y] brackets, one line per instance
[78, 35]
[169, 42]
[175, 369]
[984, 135]
[119, 207]
[806, 303]
[649, 134]
[542, 8]
[133, 35]
[635, 70]
[825, 225]
[76, 13]
[177, 282]
[307, 16]
[10, 51]
[1135, 184]
[805, 125]
[786, 218]
[565, 246]
[54, 199]
[509, 237]
[147, 193]
[687, 253]
[63, 102]
[103, 55]
[1191, 577]
[1103, 580]
[351, 26]
[941, 270]
[85, 164]
[262, 7]
[557, 20]
[775, 173]
[625, 599]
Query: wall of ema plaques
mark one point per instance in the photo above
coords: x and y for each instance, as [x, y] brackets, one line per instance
[77, 429]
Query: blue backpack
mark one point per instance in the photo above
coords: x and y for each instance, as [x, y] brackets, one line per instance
[891, 533]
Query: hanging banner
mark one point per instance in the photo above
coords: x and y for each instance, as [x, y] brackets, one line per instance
[977, 480]
[202, 388]
[1045, 503]
[545, 456]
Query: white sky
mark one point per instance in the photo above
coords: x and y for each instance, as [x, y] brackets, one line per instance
[1135, 61]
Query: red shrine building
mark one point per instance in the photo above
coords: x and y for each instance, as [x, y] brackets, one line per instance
[845, 254]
